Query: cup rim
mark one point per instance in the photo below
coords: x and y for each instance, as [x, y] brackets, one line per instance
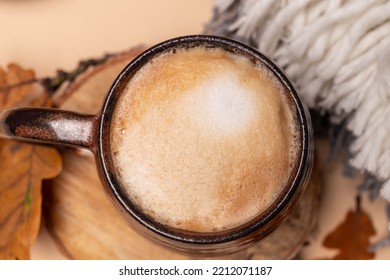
[160, 231]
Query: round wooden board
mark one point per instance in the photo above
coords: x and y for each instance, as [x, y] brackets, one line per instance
[86, 225]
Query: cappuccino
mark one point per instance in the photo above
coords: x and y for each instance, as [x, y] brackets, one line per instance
[203, 139]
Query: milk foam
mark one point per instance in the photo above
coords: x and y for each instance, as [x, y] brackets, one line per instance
[203, 140]
[221, 108]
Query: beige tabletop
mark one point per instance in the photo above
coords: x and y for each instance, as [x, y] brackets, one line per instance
[51, 34]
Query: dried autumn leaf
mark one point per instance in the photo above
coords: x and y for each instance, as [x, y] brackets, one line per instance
[351, 237]
[20, 194]
[11, 95]
[22, 169]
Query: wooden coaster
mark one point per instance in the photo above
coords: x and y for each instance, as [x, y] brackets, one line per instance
[86, 225]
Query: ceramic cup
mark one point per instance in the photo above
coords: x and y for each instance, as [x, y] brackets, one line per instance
[53, 126]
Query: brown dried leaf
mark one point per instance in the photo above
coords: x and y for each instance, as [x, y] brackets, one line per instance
[351, 237]
[22, 169]
[11, 95]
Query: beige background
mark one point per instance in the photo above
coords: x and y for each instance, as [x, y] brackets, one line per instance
[50, 34]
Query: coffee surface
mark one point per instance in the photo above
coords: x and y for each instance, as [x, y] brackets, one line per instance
[204, 140]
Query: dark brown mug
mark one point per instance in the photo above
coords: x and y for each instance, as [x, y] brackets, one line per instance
[52, 126]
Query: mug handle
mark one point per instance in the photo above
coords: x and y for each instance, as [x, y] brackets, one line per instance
[49, 126]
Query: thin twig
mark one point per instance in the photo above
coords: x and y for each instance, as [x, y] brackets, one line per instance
[21, 84]
[51, 84]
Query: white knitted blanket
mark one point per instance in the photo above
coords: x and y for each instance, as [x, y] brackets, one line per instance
[337, 53]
